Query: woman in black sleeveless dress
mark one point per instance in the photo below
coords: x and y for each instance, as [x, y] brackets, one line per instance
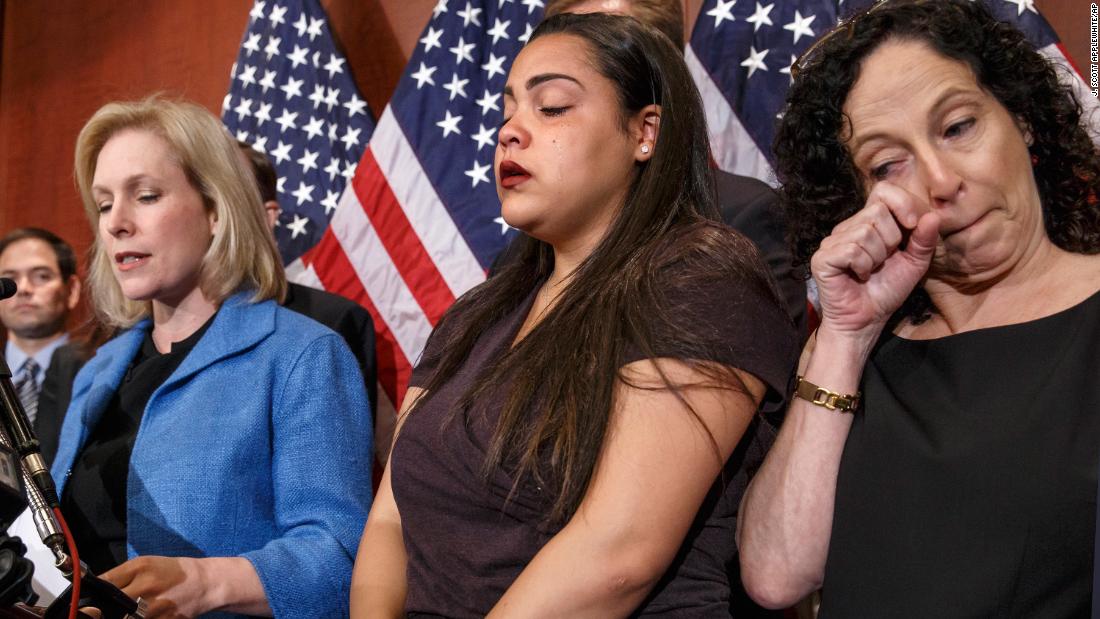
[940, 459]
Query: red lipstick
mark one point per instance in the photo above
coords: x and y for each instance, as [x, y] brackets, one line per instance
[512, 174]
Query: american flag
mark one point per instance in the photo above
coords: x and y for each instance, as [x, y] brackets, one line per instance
[419, 224]
[292, 97]
[420, 221]
[741, 52]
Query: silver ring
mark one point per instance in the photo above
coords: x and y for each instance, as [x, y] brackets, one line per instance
[142, 608]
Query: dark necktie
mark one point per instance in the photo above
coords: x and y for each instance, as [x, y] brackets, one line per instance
[26, 387]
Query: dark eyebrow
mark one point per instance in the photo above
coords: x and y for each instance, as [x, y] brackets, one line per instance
[946, 98]
[542, 78]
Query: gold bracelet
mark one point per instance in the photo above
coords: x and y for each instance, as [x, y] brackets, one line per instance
[845, 403]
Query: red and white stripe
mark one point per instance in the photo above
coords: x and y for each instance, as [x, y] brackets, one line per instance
[392, 247]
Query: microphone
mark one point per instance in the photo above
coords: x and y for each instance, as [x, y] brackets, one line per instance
[11, 488]
[7, 287]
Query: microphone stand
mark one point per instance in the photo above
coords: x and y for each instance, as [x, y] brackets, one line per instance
[17, 435]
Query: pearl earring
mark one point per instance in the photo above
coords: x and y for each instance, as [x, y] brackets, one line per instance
[645, 149]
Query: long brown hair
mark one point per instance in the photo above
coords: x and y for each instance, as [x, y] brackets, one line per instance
[562, 375]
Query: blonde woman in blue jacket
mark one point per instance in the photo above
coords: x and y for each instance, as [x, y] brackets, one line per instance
[216, 456]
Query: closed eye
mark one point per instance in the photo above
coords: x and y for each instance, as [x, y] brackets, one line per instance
[553, 111]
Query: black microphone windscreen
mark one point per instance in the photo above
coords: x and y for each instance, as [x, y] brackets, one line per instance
[7, 287]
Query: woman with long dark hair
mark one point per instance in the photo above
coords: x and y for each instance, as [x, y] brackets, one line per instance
[579, 428]
[944, 191]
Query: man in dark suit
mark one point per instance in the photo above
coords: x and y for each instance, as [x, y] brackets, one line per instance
[751, 207]
[343, 316]
[42, 359]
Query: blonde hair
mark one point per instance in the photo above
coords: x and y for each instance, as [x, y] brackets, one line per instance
[242, 254]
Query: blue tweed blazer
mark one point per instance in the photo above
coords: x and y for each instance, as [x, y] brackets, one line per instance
[259, 445]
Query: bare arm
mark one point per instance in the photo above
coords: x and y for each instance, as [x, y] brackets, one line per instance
[656, 466]
[863, 277]
[379, 581]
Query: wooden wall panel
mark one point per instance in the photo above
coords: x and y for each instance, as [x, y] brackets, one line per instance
[62, 60]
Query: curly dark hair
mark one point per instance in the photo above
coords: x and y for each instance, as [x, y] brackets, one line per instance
[820, 184]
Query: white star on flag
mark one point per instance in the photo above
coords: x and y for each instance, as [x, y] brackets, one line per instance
[722, 11]
[248, 76]
[495, 65]
[308, 161]
[268, 80]
[286, 120]
[314, 127]
[456, 87]
[355, 105]
[760, 17]
[800, 26]
[349, 170]
[484, 136]
[431, 40]
[478, 174]
[292, 88]
[449, 124]
[282, 152]
[755, 60]
[298, 56]
[333, 168]
[489, 102]
[272, 48]
[252, 44]
[499, 30]
[243, 108]
[350, 138]
[263, 114]
[332, 98]
[463, 51]
[469, 14]
[334, 65]
[314, 29]
[330, 201]
[303, 193]
[277, 16]
[424, 76]
[787, 69]
[301, 25]
[298, 226]
[318, 96]
[1023, 5]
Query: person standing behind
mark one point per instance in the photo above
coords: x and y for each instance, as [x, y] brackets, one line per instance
[43, 267]
[345, 317]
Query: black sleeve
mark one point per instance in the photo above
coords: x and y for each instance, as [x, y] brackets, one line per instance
[752, 208]
[357, 329]
[739, 315]
[54, 397]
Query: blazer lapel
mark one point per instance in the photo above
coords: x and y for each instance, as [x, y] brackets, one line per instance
[114, 358]
[238, 325]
